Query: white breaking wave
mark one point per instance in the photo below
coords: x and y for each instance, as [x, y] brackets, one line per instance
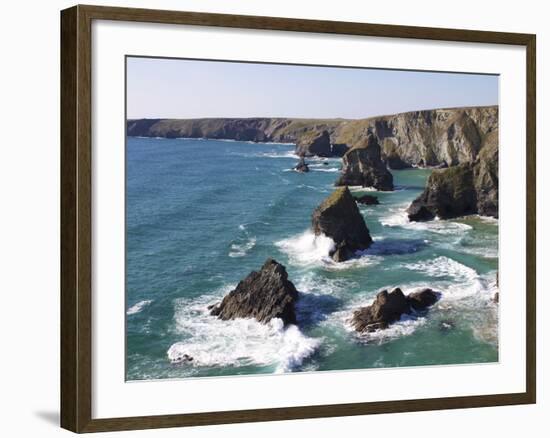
[398, 218]
[138, 307]
[325, 169]
[307, 248]
[241, 249]
[282, 154]
[240, 342]
[444, 267]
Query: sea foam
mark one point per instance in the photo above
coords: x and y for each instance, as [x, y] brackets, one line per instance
[307, 248]
[212, 342]
[138, 307]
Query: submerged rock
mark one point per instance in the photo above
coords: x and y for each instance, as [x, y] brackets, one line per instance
[386, 308]
[367, 200]
[338, 217]
[302, 166]
[422, 299]
[363, 166]
[262, 295]
[314, 143]
[446, 325]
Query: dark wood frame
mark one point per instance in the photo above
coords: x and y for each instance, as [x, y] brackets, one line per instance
[76, 218]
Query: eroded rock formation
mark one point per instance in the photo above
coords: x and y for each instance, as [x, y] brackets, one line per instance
[263, 295]
[388, 307]
[362, 166]
[467, 188]
[338, 217]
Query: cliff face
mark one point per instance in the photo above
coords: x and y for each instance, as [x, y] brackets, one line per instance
[423, 138]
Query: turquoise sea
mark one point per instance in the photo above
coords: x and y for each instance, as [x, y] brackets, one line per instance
[202, 214]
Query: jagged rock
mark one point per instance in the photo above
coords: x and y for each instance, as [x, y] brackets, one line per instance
[495, 298]
[314, 143]
[338, 217]
[367, 200]
[362, 166]
[422, 299]
[449, 193]
[262, 295]
[302, 166]
[339, 149]
[467, 188]
[389, 307]
[386, 309]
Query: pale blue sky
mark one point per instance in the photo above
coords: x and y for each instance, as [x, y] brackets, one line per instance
[176, 88]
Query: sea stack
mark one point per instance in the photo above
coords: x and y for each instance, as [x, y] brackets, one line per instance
[302, 166]
[314, 143]
[263, 295]
[362, 166]
[338, 217]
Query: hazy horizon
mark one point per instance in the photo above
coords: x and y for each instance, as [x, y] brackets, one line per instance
[164, 88]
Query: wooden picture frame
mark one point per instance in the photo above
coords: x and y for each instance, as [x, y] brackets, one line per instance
[76, 217]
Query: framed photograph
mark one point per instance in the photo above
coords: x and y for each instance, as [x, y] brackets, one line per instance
[269, 218]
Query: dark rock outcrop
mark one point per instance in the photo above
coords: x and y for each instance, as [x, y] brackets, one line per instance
[467, 188]
[301, 166]
[338, 217]
[367, 200]
[386, 309]
[262, 295]
[449, 193]
[314, 143]
[362, 166]
[422, 299]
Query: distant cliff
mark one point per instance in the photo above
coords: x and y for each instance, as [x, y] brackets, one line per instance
[420, 138]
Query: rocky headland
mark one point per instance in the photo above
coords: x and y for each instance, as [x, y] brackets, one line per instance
[263, 295]
[467, 188]
[338, 217]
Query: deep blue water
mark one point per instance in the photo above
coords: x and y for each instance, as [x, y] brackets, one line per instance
[202, 214]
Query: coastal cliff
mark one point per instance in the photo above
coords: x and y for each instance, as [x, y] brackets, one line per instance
[463, 142]
[468, 188]
[439, 137]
